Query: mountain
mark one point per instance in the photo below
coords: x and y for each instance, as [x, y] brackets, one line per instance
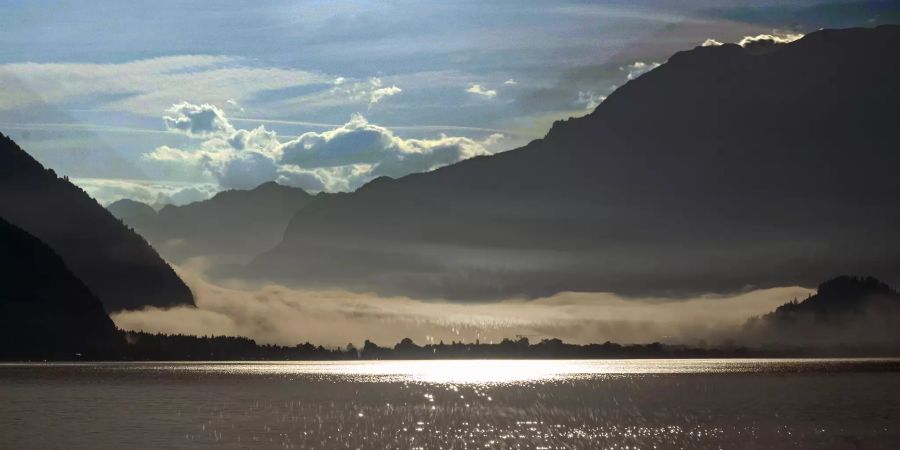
[844, 310]
[115, 263]
[45, 311]
[133, 213]
[232, 223]
[725, 167]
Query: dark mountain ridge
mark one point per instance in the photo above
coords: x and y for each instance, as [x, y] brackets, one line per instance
[115, 263]
[45, 311]
[725, 167]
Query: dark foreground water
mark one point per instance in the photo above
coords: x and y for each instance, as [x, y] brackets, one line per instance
[642, 404]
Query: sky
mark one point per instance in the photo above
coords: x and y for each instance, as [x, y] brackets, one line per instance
[170, 102]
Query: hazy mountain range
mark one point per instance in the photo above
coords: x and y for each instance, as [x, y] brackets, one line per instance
[726, 167]
[233, 223]
[116, 263]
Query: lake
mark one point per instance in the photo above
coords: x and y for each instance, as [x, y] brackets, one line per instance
[591, 404]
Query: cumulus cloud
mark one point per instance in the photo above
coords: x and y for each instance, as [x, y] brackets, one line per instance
[277, 314]
[510, 82]
[477, 89]
[638, 68]
[197, 120]
[246, 170]
[340, 159]
[711, 43]
[774, 38]
[359, 142]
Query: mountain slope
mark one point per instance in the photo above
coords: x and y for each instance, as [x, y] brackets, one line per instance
[723, 168]
[45, 312]
[231, 223]
[118, 266]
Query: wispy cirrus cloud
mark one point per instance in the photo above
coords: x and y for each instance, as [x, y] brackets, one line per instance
[145, 86]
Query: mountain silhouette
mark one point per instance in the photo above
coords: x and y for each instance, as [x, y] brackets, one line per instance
[844, 310]
[725, 167]
[45, 311]
[115, 263]
[132, 212]
[232, 223]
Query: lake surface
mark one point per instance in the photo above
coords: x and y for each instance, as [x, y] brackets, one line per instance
[631, 404]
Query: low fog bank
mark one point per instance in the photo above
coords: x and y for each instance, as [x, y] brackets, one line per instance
[276, 314]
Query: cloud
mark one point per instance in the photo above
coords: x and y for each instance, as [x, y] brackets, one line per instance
[344, 92]
[340, 159]
[145, 86]
[197, 120]
[589, 99]
[276, 314]
[246, 170]
[477, 89]
[510, 82]
[358, 151]
[154, 193]
[638, 68]
[774, 38]
[309, 180]
[359, 142]
[711, 43]
[235, 105]
[381, 93]
[579, 90]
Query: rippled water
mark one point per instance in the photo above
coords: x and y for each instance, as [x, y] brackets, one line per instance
[635, 404]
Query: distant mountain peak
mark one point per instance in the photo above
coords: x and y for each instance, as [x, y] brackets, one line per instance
[271, 185]
[239, 223]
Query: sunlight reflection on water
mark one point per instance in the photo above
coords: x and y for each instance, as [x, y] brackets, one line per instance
[610, 404]
[506, 371]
